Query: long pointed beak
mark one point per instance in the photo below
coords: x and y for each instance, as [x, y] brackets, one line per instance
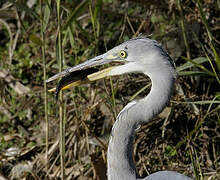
[96, 61]
[82, 74]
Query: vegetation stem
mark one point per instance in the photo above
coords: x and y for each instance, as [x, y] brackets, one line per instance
[61, 110]
[45, 85]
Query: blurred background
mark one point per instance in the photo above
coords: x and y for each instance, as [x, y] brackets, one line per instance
[39, 38]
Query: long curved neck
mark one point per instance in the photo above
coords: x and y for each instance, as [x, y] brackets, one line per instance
[120, 161]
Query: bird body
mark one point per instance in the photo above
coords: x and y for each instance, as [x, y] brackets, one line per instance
[139, 55]
[166, 175]
[162, 74]
[132, 116]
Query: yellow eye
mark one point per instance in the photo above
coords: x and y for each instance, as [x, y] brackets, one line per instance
[123, 54]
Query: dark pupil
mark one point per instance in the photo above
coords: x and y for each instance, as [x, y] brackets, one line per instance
[122, 53]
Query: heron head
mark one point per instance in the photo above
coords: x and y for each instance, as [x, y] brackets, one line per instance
[135, 55]
[141, 55]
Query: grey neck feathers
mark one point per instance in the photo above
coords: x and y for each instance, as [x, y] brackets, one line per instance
[120, 161]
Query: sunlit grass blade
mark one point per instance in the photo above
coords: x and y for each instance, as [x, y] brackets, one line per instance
[210, 62]
[192, 73]
[208, 72]
[188, 65]
[139, 91]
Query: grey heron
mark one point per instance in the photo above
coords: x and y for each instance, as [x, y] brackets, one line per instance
[139, 55]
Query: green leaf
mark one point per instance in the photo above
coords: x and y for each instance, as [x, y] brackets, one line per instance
[23, 7]
[188, 65]
[74, 14]
[170, 151]
[192, 73]
[71, 37]
[46, 15]
[36, 40]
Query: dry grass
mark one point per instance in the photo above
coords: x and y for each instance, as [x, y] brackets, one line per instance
[184, 138]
